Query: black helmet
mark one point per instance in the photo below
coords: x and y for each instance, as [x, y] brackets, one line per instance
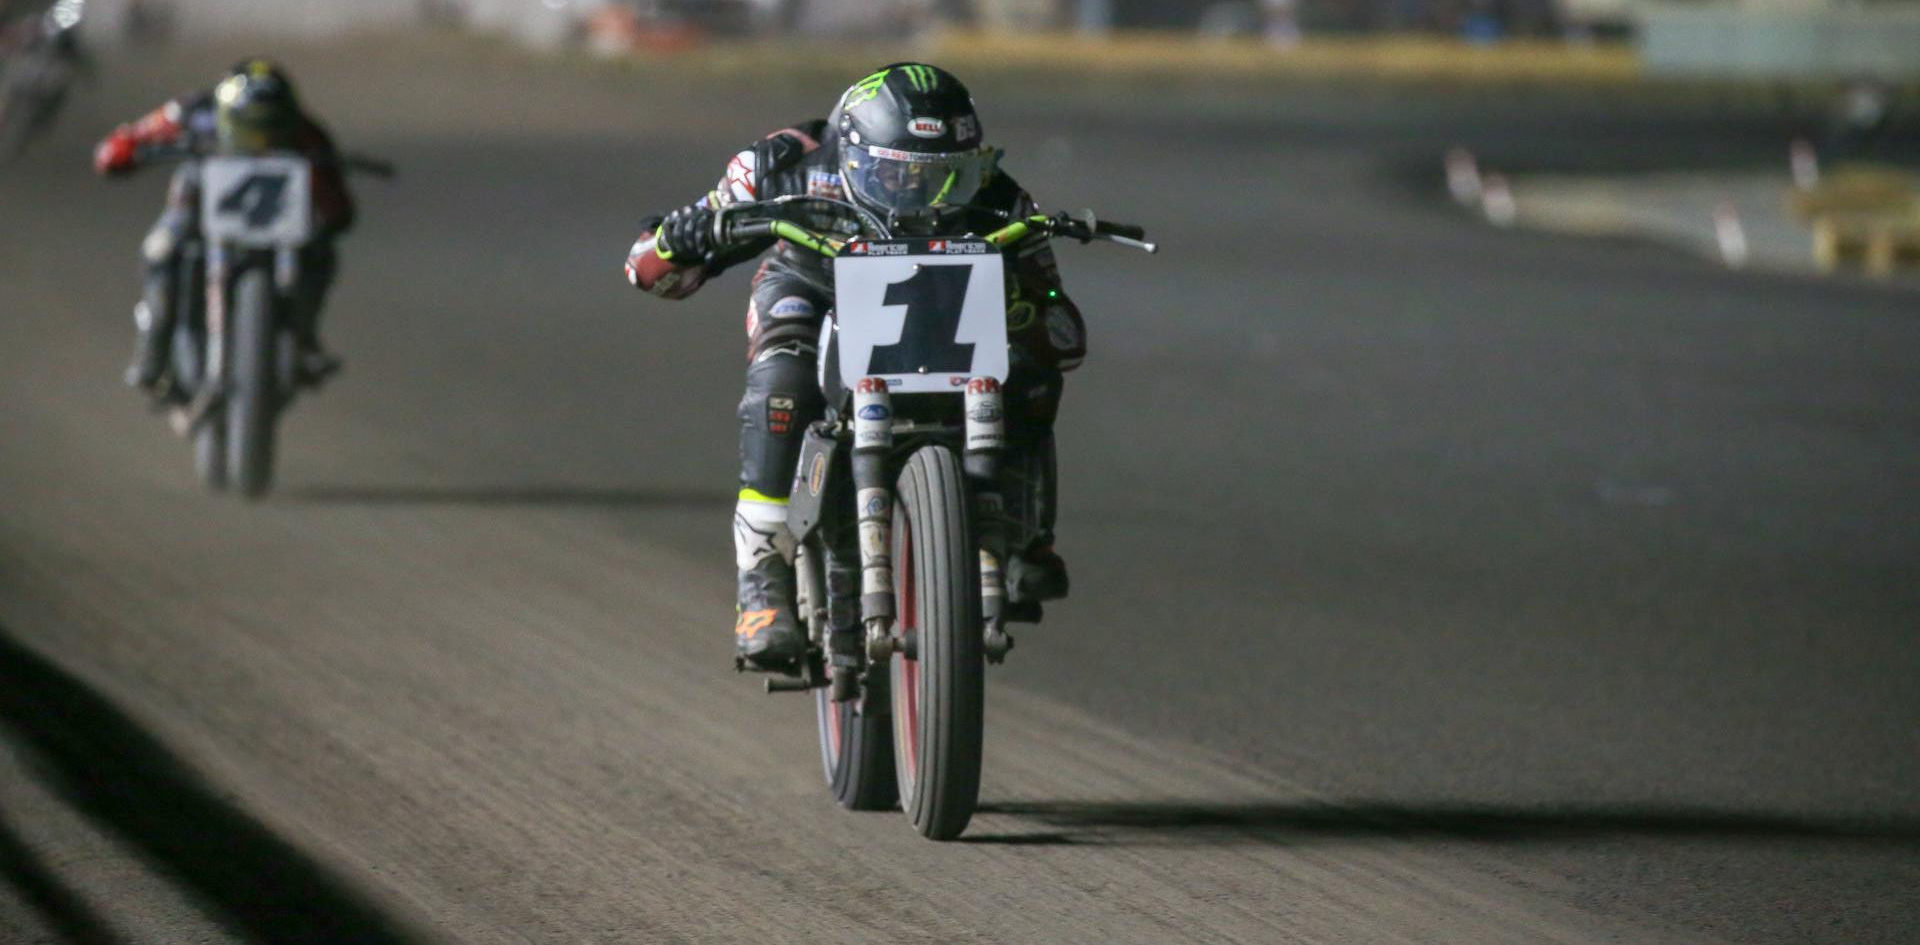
[910, 143]
[255, 109]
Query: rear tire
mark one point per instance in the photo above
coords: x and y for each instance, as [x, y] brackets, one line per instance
[856, 748]
[939, 696]
[252, 390]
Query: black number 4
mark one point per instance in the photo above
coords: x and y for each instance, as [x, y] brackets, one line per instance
[930, 337]
[260, 198]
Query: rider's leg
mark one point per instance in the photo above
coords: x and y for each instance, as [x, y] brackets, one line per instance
[154, 315]
[782, 397]
[318, 264]
[1036, 572]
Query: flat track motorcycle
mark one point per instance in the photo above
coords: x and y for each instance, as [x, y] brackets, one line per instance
[234, 348]
[907, 499]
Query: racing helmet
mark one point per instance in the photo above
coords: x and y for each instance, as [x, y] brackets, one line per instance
[910, 146]
[255, 109]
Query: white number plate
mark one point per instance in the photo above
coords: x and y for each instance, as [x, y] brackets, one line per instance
[924, 315]
[256, 201]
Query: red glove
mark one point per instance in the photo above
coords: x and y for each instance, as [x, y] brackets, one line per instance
[115, 154]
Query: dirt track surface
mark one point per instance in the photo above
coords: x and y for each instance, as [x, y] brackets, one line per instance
[1433, 584]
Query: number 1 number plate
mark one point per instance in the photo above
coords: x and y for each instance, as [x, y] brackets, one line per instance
[924, 315]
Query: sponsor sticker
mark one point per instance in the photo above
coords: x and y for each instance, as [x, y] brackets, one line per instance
[874, 537]
[926, 127]
[864, 248]
[779, 402]
[911, 157]
[985, 412]
[874, 503]
[792, 306]
[966, 129]
[874, 412]
[817, 476]
[823, 184]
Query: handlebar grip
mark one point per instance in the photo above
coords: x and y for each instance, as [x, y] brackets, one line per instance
[1127, 230]
[748, 229]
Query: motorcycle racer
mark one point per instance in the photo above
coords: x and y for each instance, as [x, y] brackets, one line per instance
[902, 146]
[251, 110]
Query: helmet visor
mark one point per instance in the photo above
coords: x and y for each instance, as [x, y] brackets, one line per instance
[906, 181]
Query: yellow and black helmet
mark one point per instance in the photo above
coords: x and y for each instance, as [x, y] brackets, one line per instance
[255, 109]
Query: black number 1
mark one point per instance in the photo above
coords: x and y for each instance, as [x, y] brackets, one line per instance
[930, 337]
[261, 197]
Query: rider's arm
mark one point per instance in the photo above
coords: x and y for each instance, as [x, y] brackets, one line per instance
[672, 272]
[120, 151]
[332, 202]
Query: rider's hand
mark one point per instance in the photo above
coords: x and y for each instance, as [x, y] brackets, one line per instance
[115, 155]
[686, 236]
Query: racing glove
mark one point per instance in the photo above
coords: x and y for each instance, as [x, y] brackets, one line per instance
[115, 155]
[686, 236]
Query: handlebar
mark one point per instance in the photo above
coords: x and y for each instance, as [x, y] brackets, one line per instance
[758, 220]
[1085, 229]
[367, 164]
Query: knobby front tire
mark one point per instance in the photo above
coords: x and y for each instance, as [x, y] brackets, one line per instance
[939, 695]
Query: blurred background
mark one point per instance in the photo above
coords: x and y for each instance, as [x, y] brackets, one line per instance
[1492, 514]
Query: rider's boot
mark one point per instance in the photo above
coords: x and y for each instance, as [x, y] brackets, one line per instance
[314, 364]
[152, 345]
[766, 633]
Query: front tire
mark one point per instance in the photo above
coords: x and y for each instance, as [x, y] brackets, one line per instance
[253, 390]
[210, 454]
[856, 748]
[939, 693]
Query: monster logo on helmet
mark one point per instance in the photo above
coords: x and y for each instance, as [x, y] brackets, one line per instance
[255, 109]
[910, 144]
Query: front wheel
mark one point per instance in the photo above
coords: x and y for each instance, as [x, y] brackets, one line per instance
[856, 747]
[939, 681]
[253, 390]
[210, 453]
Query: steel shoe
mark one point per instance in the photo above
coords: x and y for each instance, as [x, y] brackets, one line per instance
[1037, 574]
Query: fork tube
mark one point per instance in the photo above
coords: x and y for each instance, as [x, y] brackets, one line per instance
[872, 441]
[986, 441]
[215, 368]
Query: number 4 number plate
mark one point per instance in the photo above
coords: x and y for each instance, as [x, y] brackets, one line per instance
[924, 315]
[256, 201]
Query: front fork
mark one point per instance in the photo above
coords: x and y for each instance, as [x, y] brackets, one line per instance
[213, 368]
[986, 441]
[873, 504]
